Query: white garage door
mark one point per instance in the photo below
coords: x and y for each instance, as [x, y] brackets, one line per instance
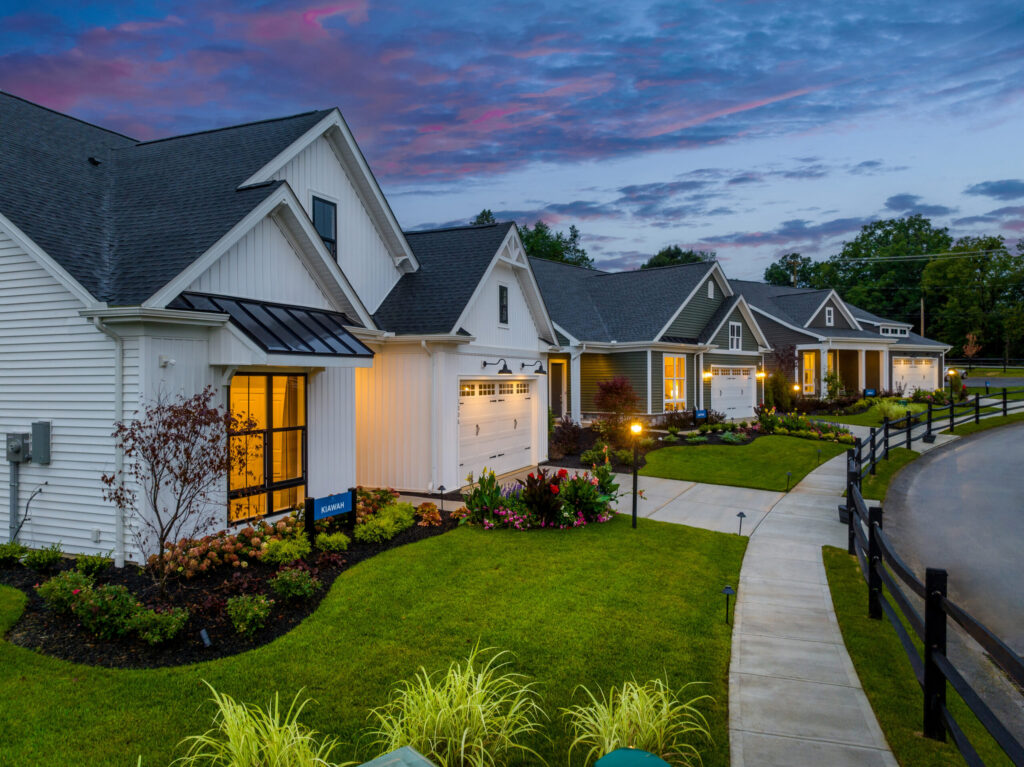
[733, 391]
[495, 426]
[915, 373]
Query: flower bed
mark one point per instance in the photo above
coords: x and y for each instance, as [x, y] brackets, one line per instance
[559, 499]
[244, 588]
[794, 425]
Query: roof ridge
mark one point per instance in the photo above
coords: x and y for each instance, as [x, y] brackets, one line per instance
[588, 269]
[457, 228]
[705, 264]
[65, 115]
[232, 127]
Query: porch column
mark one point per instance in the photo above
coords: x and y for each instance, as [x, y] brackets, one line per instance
[886, 363]
[823, 358]
[574, 386]
[649, 381]
[861, 373]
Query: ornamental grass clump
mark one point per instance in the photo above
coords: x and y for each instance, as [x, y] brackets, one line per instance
[650, 717]
[476, 714]
[249, 736]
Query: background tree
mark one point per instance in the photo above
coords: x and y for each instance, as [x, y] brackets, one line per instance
[809, 273]
[889, 288]
[673, 255]
[484, 217]
[542, 242]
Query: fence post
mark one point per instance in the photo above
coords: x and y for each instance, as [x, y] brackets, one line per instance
[851, 520]
[874, 562]
[874, 433]
[934, 642]
[910, 427]
[885, 437]
[977, 408]
[858, 456]
[928, 431]
[1004, 401]
[952, 411]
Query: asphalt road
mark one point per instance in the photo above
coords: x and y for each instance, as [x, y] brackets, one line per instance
[962, 508]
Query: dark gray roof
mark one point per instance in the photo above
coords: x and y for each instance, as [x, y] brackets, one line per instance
[793, 305]
[452, 263]
[913, 339]
[863, 315]
[724, 310]
[131, 219]
[615, 306]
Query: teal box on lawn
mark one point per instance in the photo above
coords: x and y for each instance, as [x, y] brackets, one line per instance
[630, 757]
[333, 505]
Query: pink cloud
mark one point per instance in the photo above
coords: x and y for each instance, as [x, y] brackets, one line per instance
[295, 25]
[493, 114]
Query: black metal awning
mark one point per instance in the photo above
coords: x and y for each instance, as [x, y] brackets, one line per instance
[279, 328]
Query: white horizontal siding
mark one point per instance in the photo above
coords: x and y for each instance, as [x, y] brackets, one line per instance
[331, 433]
[55, 365]
[362, 254]
[263, 266]
[393, 419]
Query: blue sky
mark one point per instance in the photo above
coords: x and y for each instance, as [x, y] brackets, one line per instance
[751, 128]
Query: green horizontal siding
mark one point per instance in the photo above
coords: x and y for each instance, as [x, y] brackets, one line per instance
[839, 321]
[657, 382]
[695, 315]
[601, 367]
[721, 339]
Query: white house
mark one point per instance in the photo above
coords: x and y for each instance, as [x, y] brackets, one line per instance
[263, 260]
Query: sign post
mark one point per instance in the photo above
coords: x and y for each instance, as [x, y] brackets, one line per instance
[325, 508]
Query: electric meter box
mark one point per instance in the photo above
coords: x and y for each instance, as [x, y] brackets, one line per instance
[18, 448]
[41, 442]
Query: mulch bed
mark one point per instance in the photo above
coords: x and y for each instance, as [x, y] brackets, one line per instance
[204, 595]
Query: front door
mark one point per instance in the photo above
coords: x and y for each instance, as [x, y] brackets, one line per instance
[556, 378]
[810, 371]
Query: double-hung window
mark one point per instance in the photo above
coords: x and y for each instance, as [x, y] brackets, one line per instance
[675, 383]
[503, 304]
[325, 221]
[735, 336]
[272, 478]
[830, 316]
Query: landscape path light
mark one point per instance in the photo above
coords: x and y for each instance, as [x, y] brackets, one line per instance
[741, 515]
[636, 428]
[789, 476]
[728, 591]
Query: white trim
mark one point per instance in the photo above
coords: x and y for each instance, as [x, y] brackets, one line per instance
[716, 350]
[685, 377]
[744, 307]
[738, 338]
[842, 308]
[711, 272]
[135, 314]
[723, 366]
[785, 324]
[711, 290]
[46, 261]
[334, 127]
[508, 314]
[830, 316]
[649, 382]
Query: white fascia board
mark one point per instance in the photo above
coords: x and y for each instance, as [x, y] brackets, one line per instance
[351, 157]
[744, 308]
[135, 314]
[316, 360]
[573, 340]
[773, 318]
[919, 348]
[281, 202]
[54, 269]
[430, 338]
[722, 281]
[842, 307]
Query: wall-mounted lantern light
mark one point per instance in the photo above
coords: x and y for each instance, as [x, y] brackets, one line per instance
[707, 374]
[761, 374]
[796, 387]
[539, 364]
[504, 371]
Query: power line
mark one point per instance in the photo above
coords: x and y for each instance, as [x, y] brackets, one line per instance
[928, 256]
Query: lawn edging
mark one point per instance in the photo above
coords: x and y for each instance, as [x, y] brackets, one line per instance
[888, 679]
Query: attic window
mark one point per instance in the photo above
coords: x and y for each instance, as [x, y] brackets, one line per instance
[735, 336]
[325, 221]
[503, 304]
[711, 288]
[830, 316]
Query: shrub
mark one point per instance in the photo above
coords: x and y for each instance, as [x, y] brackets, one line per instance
[474, 714]
[11, 553]
[670, 439]
[190, 556]
[698, 439]
[595, 455]
[650, 717]
[386, 523]
[778, 392]
[283, 551]
[646, 443]
[155, 627]
[624, 456]
[565, 438]
[248, 613]
[249, 735]
[294, 584]
[43, 560]
[369, 502]
[483, 498]
[704, 428]
[582, 501]
[678, 419]
[92, 564]
[332, 542]
[105, 611]
[616, 396]
[429, 515]
[539, 493]
[60, 592]
[733, 438]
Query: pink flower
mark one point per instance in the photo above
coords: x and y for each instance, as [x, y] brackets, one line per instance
[75, 591]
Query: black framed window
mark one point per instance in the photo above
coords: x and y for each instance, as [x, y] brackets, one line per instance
[325, 221]
[503, 304]
[273, 478]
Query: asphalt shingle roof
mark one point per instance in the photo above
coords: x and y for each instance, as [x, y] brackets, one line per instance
[615, 306]
[452, 263]
[793, 305]
[724, 310]
[130, 219]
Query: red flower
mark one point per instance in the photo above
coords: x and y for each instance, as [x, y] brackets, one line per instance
[531, 475]
[562, 473]
[554, 489]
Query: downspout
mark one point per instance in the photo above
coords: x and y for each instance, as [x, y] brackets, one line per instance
[433, 417]
[119, 552]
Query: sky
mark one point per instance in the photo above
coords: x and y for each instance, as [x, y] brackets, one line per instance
[751, 128]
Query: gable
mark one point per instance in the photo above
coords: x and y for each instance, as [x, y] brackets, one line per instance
[263, 266]
[839, 318]
[698, 311]
[481, 317]
[721, 338]
[781, 335]
[362, 253]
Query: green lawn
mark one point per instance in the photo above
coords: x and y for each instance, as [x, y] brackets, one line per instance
[870, 417]
[986, 423]
[876, 486]
[1016, 393]
[761, 464]
[993, 372]
[595, 606]
[888, 679]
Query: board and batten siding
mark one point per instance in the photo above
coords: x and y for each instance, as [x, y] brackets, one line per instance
[697, 313]
[56, 366]
[721, 338]
[716, 359]
[362, 254]
[481, 320]
[263, 266]
[330, 429]
[601, 367]
[839, 319]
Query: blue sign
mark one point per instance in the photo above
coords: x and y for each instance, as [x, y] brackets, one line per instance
[702, 414]
[870, 393]
[333, 505]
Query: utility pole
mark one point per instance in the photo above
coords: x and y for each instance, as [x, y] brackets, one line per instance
[922, 313]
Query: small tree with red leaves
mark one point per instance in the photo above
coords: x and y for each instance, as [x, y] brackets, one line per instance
[972, 347]
[177, 456]
[616, 397]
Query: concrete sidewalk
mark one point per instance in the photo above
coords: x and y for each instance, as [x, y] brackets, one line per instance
[794, 697]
